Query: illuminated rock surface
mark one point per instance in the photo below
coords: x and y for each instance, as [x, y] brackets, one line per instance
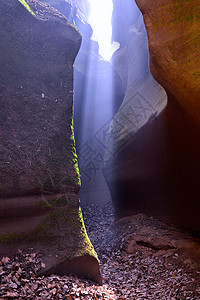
[39, 206]
[144, 100]
[155, 163]
[174, 45]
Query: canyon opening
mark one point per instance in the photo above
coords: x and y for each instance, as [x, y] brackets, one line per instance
[99, 149]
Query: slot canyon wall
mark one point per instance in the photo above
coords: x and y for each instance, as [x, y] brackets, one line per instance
[150, 141]
[40, 181]
[155, 138]
[98, 93]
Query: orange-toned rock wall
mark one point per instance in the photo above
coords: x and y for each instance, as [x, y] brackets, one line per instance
[173, 28]
[156, 167]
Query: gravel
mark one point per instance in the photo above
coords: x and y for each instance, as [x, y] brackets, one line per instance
[141, 258]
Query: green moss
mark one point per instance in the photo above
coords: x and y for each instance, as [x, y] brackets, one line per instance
[5, 238]
[43, 204]
[63, 228]
[59, 200]
[75, 159]
[23, 2]
[85, 245]
[63, 199]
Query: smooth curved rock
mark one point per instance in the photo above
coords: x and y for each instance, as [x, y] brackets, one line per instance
[154, 164]
[173, 35]
[125, 164]
[174, 45]
[128, 12]
[39, 206]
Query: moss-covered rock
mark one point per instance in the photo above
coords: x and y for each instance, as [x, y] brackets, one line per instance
[39, 174]
[57, 230]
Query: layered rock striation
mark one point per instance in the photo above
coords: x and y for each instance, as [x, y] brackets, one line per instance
[40, 181]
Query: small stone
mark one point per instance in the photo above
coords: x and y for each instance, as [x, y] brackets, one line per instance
[43, 265]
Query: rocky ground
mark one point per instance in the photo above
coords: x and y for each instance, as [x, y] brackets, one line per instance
[141, 258]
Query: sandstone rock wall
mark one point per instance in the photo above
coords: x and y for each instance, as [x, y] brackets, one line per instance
[154, 165]
[144, 100]
[39, 206]
[173, 35]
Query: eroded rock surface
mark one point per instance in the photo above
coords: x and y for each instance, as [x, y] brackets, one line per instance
[128, 159]
[155, 165]
[39, 206]
[173, 35]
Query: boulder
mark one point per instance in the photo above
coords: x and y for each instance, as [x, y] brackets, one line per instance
[40, 181]
[151, 237]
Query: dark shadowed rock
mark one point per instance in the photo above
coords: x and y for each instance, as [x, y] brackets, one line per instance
[39, 207]
[154, 165]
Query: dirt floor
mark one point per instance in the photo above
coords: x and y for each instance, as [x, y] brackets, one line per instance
[141, 258]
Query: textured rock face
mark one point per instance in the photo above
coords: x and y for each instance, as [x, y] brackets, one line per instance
[154, 164]
[173, 34]
[36, 101]
[40, 181]
[76, 13]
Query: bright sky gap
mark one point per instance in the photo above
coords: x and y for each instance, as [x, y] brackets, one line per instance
[100, 20]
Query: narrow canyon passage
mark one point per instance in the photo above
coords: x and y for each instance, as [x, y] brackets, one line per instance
[141, 257]
[136, 145]
[98, 93]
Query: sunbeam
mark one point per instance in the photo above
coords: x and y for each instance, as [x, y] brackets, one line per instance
[100, 20]
[94, 98]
